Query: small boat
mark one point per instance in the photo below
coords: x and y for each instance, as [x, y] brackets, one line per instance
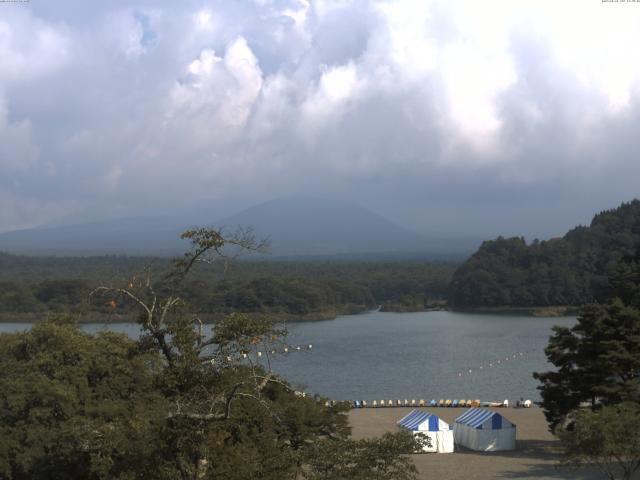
[421, 402]
[447, 403]
[390, 403]
[455, 403]
[374, 404]
[434, 403]
[398, 403]
[356, 403]
[413, 402]
[441, 402]
[382, 404]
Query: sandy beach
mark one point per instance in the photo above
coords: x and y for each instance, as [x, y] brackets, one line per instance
[536, 456]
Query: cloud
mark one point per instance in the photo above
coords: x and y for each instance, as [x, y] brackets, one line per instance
[17, 151]
[131, 31]
[218, 91]
[422, 110]
[30, 47]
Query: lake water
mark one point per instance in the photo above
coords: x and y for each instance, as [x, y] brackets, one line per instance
[426, 355]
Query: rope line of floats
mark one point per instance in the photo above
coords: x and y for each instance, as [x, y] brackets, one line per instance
[279, 351]
[452, 403]
[465, 372]
[285, 350]
[494, 363]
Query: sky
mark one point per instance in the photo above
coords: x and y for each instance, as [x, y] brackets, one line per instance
[449, 117]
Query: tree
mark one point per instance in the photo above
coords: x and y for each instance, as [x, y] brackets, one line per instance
[597, 360]
[572, 270]
[178, 403]
[74, 405]
[375, 459]
[609, 439]
[625, 281]
[598, 363]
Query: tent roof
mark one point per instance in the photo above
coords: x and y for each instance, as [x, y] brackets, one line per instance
[415, 418]
[483, 419]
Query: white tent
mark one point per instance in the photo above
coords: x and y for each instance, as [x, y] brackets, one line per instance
[439, 432]
[484, 430]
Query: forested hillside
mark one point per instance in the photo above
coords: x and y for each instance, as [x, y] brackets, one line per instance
[323, 289]
[571, 270]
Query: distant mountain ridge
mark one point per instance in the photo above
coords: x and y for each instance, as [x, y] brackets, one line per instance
[310, 226]
[571, 270]
[297, 226]
[139, 236]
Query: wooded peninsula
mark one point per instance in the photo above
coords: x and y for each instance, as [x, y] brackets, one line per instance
[32, 286]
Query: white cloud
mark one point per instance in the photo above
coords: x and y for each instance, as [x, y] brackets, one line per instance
[218, 91]
[277, 95]
[298, 15]
[30, 47]
[336, 87]
[126, 30]
[17, 151]
[203, 20]
[593, 39]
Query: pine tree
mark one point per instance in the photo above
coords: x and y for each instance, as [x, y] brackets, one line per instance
[598, 359]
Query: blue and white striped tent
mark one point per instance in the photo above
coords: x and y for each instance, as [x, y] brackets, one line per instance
[484, 430]
[438, 431]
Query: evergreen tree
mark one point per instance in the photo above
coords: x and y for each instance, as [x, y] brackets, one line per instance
[598, 359]
[572, 270]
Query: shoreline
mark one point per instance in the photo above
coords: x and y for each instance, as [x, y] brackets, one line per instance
[539, 311]
[94, 317]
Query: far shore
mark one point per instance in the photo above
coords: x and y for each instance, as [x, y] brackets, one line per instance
[540, 311]
[95, 317]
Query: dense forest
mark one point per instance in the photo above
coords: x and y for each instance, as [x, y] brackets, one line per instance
[32, 286]
[506, 272]
[572, 270]
[177, 402]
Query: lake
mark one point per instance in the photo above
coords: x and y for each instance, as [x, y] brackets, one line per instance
[427, 355]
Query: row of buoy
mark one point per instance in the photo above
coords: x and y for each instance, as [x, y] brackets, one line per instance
[297, 348]
[259, 354]
[493, 363]
[284, 351]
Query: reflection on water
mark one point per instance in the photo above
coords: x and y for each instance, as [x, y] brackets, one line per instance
[410, 355]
